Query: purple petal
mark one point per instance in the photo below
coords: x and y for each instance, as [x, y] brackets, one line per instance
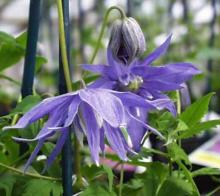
[37, 112]
[136, 130]
[78, 130]
[158, 52]
[160, 85]
[116, 140]
[185, 96]
[131, 117]
[108, 106]
[176, 73]
[102, 83]
[33, 154]
[92, 131]
[56, 119]
[132, 100]
[59, 145]
[102, 140]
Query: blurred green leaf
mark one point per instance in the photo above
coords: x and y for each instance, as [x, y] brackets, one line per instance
[209, 53]
[97, 189]
[110, 175]
[26, 104]
[198, 128]
[36, 187]
[206, 171]
[174, 186]
[10, 51]
[6, 183]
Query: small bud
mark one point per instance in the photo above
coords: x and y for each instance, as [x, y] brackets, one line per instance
[126, 40]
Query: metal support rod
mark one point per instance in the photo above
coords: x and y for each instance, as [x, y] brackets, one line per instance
[67, 165]
[31, 46]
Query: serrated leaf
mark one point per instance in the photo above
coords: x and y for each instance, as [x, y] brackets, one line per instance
[206, 171]
[36, 187]
[175, 187]
[196, 111]
[110, 175]
[198, 128]
[178, 153]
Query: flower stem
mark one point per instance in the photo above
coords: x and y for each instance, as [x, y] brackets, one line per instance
[63, 47]
[188, 176]
[121, 179]
[104, 24]
[29, 174]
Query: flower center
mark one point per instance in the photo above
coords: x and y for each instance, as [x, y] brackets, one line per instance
[133, 85]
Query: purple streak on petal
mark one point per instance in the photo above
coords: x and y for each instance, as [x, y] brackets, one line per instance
[72, 111]
[33, 154]
[158, 52]
[108, 106]
[92, 131]
[37, 112]
[116, 140]
[78, 130]
[131, 117]
[102, 140]
[57, 149]
[136, 130]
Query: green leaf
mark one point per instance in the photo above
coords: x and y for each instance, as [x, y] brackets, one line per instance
[26, 104]
[110, 175]
[206, 171]
[178, 153]
[97, 189]
[10, 51]
[6, 183]
[40, 60]
[198, 128]
[174, 186]
[196, 111]
[38, 187]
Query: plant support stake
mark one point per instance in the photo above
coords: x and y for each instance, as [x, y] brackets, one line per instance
[67, 165]
[31, 46]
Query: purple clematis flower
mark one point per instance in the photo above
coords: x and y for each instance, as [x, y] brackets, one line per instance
[96, 113]
[145, 80]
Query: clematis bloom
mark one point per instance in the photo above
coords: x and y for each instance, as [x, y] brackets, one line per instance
[95, 113]
[145, 80]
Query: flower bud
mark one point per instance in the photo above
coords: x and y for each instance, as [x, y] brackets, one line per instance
[126, 40]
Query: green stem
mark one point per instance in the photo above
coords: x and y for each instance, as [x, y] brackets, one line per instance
[79, 181]
[188, 176]
[104, 24]
[63, 46]
[121, 179]
[29, 174]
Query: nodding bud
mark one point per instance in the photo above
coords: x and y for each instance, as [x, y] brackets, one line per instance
[126, 40]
